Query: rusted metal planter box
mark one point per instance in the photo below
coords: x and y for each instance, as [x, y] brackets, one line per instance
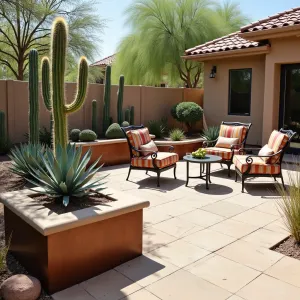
[63, 250]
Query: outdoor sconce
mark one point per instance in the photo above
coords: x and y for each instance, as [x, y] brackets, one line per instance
[213, 72]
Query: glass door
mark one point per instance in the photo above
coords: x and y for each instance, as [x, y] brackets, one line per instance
[289, 116]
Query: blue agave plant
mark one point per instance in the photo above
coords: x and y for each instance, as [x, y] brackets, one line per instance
[66, 174]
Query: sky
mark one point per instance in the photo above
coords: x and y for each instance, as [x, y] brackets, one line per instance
[113, 12]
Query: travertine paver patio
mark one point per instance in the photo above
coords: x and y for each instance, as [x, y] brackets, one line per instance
[200, 244]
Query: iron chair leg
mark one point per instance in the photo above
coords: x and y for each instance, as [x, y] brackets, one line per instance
[158, 177]
[146, 172]
[243, 183]
[236, 176]
[282, 180]
[229, 170]
[175, 172]
[128, 173]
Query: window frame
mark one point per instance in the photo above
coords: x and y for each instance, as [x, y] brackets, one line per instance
[229, 93]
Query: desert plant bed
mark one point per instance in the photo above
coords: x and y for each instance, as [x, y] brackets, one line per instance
[187, 145]
[289, 247]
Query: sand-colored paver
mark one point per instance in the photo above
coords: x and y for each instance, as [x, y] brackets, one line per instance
[250, 255]
[223, 272]
[75, 292]
[146, 269]
[180, 253]
[209, 239]
[184, 285]
[154, 215]
[177, 227]
[141, 295]
[255, 218]
[277, 226]
[110, 285]
[234, 228]
[266, 287]
[235, 297]
[265, 238]
[287, 270]
[270, 207]
[154, 238]
[246, 200]
[224, 209]
[174, 208]
[202, 218]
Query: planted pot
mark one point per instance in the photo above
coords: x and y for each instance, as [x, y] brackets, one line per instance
[67, 248]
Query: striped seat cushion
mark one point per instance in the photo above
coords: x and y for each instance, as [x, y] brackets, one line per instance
[137, 138]
[225, 153]
[257, 167]
[233, 132]
[276, 142]
[164, 159]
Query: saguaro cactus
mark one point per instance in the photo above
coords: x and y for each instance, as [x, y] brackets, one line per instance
[106, 99]
[127, 115]
[120, 100]
[60, 109]
[94, 116]
[3, 137]
[33, 97]
[132, 115]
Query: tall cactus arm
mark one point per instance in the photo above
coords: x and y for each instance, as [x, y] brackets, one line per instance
[33, 97]
[82, 84]
[46, 82]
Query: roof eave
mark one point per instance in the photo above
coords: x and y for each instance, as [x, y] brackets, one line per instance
[265, 34]
[229, 54]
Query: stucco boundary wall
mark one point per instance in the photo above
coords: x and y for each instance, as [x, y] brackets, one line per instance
[150, 103]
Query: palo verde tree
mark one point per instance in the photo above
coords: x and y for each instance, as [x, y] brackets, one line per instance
[161, 30]
[26, 24]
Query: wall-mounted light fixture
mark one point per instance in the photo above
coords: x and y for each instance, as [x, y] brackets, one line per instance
[213, 72]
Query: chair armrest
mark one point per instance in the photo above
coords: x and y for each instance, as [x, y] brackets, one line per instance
[242, 150]
[249, 159]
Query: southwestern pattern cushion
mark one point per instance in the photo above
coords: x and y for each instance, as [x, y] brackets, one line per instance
[276, 142]
[233, 132]
[224, 142]
[137, 138]
[164, 159]
[264, 151]
[259, 166]
[225, 153]
[147, 148]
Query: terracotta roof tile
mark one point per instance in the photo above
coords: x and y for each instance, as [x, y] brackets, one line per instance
[225, 43]
[287, 18]
[107, 61]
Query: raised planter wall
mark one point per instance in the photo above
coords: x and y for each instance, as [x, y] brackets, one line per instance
[63, 250]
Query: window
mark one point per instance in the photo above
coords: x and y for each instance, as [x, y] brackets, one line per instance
[240, 92]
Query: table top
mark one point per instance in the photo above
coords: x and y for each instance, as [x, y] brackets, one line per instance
[208, 159]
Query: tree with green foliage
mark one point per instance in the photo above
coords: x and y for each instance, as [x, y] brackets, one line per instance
[161, 30]
[26, 24]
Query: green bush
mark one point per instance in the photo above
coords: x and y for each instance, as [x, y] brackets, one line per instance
[69, 176]
[188, 113]
[74, 135]
[114, 131]
[125, 124]
[176, 134]
[87, 135]
[158, 127]
[211, 133]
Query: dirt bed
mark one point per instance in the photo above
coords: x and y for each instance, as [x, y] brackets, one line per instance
[289, 248]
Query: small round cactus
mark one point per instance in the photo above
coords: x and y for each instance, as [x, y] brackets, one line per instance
[87, 135]
[125, 124]
[74, 135]
[114, 131]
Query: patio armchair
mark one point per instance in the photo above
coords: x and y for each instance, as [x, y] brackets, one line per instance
[144, 154]
[268, 161]
[232, 132]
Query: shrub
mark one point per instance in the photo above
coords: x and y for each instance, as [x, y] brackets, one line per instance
[176, 134]
[87, 135]
[67, 174]
[26, 158]
[114, 131]
[211, 133]
[74, 135]
[289, 203]
[125, 124]
[45, 137]
[158, 127]
[188, 113]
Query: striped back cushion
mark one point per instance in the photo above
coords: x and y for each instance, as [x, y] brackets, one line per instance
[138, 137]
[233, 132]
[276, 142]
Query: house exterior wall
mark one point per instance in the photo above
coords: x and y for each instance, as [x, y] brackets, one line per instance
[216, 94]
[283, 51]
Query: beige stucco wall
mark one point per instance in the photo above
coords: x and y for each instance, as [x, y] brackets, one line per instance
[216, 94]
[283, 51]
[149, 103]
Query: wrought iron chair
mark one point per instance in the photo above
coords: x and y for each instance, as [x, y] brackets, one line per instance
[249, 165]
[154, 161]
[229, 130]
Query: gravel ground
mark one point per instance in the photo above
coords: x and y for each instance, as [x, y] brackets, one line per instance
[289, 247]
[9, 182]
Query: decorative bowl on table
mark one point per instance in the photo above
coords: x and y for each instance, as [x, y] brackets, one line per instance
[200, 153]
